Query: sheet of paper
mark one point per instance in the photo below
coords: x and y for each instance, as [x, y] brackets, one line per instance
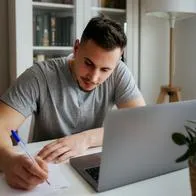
[57, 180]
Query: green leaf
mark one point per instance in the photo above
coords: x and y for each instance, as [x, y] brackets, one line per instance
[190, 129]
[192, 121]
[188, 141]
[179, 138]
[183, 157]
[190, 136]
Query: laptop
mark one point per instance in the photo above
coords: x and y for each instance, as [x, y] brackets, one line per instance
[137, 145]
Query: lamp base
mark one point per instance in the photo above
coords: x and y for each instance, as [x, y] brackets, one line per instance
[172, 92]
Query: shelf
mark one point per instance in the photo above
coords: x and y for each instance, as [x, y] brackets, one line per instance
[108, 10]
[51, 48]
[114, 13]
[62, 50]
[51, 6]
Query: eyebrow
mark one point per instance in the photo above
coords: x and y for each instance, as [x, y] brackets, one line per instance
[86, 58]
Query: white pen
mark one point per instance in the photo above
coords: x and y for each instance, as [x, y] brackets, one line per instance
[23, 146]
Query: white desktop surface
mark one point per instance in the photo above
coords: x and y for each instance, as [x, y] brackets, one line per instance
[172, 184]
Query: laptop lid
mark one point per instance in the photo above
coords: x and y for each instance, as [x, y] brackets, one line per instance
[137, 143]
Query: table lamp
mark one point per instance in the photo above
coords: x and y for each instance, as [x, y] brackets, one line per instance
[172, 10]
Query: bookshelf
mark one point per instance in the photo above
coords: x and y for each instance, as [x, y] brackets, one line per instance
[53, 33]
[53, 29]
[25, 45]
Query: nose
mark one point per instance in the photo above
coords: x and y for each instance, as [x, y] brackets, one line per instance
[94, 76]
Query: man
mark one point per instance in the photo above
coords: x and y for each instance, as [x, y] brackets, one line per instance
[69, 98]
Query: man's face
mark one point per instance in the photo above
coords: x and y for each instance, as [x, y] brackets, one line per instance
[93, 64]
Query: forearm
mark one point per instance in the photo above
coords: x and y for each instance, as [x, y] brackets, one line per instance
[6, 149]
[94, 137]
[9, 119]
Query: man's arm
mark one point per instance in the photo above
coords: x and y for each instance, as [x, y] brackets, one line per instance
[132, 103]
[69, 146]
[9, 119]
[19, 171]
[64, 148]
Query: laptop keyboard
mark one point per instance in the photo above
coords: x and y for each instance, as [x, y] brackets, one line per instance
[93, 172]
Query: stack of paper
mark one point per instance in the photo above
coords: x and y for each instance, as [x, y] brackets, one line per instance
[56, 178]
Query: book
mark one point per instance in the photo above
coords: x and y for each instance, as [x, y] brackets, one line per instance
[67, 31]
[53, 29]
[67, 1]
[45, 35]
[34, 30]
[59, 40]
[39, 29]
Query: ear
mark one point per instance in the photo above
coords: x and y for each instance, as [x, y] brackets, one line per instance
[76, 47]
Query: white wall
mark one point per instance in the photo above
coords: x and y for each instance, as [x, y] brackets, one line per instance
[7, 55]
[4, 63]
[185, 75]
[154, 55]
[20, 36]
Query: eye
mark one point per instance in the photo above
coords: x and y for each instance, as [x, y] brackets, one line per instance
[104, 70]
[88, 63]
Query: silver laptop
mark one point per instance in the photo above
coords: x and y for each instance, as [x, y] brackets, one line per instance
[137, 145]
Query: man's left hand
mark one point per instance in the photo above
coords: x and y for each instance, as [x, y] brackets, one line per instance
[64, 148]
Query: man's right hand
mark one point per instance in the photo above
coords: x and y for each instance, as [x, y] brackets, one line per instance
[22, 173]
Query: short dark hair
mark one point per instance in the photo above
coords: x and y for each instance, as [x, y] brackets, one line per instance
[105, 32]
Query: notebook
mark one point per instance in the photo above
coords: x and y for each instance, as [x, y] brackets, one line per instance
[137, 145]
[58, 183]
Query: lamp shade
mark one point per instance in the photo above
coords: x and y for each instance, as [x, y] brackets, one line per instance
[165, 8]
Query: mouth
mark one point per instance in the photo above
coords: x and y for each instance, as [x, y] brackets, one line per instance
[87, 83]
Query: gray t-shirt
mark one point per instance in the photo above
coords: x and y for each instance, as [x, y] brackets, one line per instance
[60, 107]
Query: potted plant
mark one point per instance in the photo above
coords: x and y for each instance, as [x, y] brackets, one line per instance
[188, 139]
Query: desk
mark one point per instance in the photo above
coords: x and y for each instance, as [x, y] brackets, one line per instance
[172, 184]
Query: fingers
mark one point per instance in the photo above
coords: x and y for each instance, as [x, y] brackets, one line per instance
[42, 163]
[18, 183]
[55, 154]
[63, 148]
[60, 154]
[65, 156]
[35, 170]
[48, 149]
[22, 173]
[33, 180]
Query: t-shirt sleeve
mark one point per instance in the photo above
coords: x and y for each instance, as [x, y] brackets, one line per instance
[125, 86]
[24, 94]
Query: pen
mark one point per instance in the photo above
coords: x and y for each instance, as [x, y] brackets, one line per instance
[23, 147]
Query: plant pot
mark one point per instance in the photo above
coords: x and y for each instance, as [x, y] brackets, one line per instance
[192, 171]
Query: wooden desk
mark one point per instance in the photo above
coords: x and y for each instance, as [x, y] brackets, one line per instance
[172, 184]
